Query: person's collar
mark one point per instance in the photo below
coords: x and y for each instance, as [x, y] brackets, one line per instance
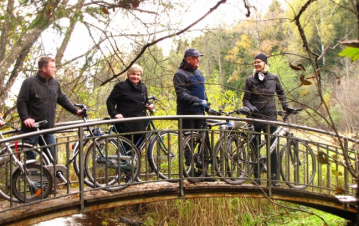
[185, 66]
[138, 86]
[42, 79]
[262, 76]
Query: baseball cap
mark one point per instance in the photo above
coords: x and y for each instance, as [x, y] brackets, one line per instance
[192, 52]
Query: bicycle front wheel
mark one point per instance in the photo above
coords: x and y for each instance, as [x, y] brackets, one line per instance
[163, 155]
[112, 162]
[235, 158]
[196, 157]
[297, 164]
[7, 166]
[40, 178]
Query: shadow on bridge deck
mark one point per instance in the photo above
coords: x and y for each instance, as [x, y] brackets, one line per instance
[69, 204]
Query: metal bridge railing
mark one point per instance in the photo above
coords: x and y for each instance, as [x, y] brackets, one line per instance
[311, 159]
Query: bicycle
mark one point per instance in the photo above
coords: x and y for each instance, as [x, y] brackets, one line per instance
[25, 179]
[108, 159]
[238, 154]
[198, 154]
[159, 145]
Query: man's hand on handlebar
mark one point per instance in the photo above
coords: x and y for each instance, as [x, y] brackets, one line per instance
[118, 116]
[80, 113]
[83, 111]
[202, 103]
[211, 111]
[29, 123]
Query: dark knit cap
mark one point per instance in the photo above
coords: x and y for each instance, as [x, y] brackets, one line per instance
[262, 57]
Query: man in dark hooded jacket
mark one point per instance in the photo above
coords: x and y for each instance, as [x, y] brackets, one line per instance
[189, 86]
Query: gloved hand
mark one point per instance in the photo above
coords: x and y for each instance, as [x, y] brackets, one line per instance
[211, 111]
[243, 111]
[253, 109]
[289, 110]
[204, 103]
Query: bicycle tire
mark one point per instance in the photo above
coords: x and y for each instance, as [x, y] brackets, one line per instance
[5, 172]
[76, 163]
[23, 192]
[235, 164]
[163, 154]
[194, 161]
[290, 169]
[107, 173]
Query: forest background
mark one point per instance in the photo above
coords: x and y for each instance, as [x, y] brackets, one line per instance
[292, 33]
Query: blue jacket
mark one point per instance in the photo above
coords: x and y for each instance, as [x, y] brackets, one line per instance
[189, 87]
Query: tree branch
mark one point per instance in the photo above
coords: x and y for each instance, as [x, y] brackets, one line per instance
[163, 38]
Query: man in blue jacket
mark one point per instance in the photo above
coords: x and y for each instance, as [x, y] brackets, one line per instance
[189, 86]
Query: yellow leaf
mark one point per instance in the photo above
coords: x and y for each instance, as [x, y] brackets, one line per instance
[336, 173]
[296, 68]
[322, 158]
[304, 81]
[339, 191]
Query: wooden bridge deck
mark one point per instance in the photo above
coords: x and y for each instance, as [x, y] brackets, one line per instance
[69, 204]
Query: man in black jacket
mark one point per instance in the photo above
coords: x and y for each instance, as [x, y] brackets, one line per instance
[37, 101]
[189, 86]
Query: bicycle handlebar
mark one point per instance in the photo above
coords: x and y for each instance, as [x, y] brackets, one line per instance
[83, 108]
[152, 111]
[283, 114]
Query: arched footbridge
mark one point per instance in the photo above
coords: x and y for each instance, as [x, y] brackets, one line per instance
[315, 168]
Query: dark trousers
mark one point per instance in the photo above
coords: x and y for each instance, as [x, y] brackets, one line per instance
[193, 123]
[274, 157]
[35, 140]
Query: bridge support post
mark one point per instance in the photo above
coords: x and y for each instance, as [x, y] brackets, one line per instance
[81, 182]
[269, 162]
[181, 153]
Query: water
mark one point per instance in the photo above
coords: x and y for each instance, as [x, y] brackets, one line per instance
[77, 220]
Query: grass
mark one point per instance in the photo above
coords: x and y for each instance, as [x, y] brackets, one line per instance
[219, 211]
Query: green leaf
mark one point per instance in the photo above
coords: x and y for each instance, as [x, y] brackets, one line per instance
[350, 52]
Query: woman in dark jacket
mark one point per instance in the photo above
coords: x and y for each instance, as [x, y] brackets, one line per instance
[129, 99]
[260, 89]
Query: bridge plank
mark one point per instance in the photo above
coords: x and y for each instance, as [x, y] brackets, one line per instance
[69, 204]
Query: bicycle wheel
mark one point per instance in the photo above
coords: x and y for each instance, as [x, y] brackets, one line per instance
[38, 175]
[196, 158]
[76, 160]
[297, 164]
[163, 154]
[7, 167]
[112, 161]
[236, 158]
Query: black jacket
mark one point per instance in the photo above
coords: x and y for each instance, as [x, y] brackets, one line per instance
[261, 95]
[128, 100]
[37, 100]
[189, 87]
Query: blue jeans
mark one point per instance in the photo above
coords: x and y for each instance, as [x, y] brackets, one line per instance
[49, 139]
